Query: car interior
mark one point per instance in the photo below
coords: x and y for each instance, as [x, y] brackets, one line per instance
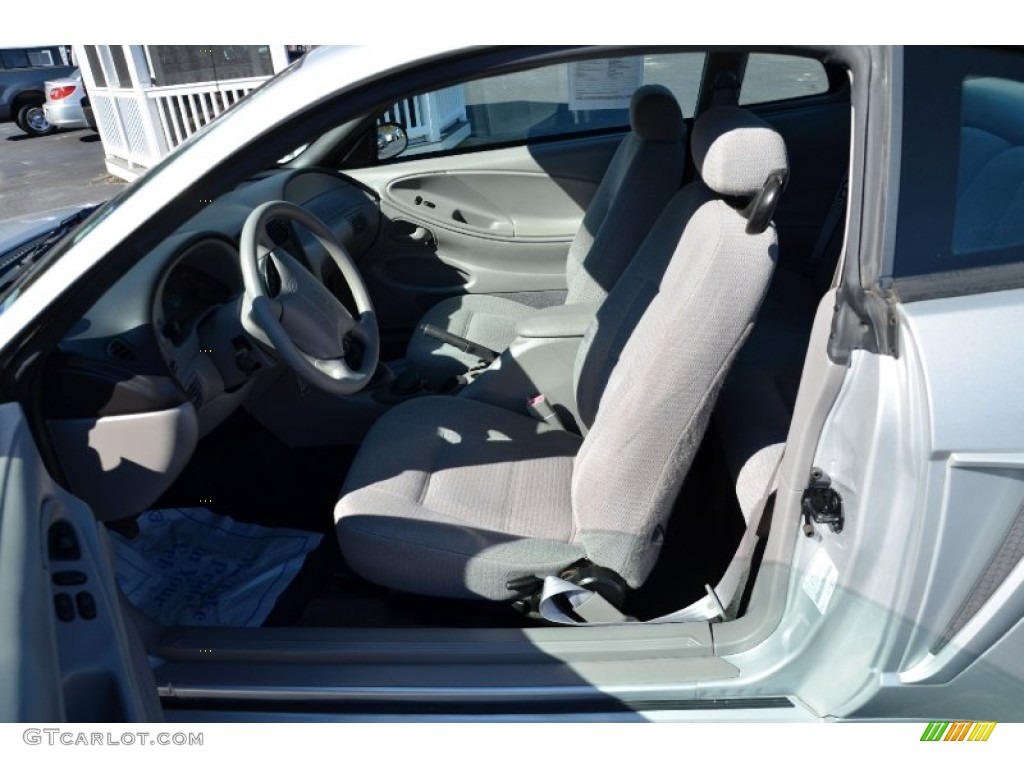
[547, 340]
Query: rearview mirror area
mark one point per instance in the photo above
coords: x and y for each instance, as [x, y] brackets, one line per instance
[392, 141]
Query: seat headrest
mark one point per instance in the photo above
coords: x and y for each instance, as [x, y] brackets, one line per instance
[735, 151]
[654, 114]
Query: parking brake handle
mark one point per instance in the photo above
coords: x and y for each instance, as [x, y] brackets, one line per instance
[467, 346]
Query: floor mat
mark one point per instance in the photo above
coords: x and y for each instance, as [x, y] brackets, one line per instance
[253, 477]
[189, 566]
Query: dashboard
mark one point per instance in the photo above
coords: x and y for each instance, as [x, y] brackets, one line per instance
[162, 358]
[187, 293]
[176, 314]
[197, 305]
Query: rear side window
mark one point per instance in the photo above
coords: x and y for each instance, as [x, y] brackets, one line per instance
[41, 58]
[990, 181]
[23, 58]
[778, 77]
[561, 100]
[961, 202]
[14, 58]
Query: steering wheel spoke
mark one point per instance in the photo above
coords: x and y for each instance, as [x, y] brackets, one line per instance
[365, 327]
[306, 325]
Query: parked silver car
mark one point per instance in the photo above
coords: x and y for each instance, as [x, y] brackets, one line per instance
[632, 384]
[63, 107]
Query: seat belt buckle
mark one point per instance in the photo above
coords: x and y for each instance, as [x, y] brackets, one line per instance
[541, 410]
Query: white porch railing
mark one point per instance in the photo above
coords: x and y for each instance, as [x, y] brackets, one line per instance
[140, 122]
[429, 118]
[184, 109]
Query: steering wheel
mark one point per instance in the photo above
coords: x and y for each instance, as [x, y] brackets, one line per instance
[305, 325]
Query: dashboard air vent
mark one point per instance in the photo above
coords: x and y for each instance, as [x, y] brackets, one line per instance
[195, 393]
[119, 349]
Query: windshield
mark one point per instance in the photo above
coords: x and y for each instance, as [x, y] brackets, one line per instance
[244, 140]
[175, 156]
[50, 246]
[18, 264]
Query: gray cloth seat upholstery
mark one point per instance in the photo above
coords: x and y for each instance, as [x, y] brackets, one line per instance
[481, 491]
[454, 497]
[756, 404]
[646, 170]
[755, 407]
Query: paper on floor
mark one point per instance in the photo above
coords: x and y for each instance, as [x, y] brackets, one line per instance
[193, 567]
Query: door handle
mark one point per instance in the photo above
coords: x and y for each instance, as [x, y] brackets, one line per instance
[408, 233]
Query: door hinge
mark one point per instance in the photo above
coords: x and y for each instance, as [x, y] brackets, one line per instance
[821, 504]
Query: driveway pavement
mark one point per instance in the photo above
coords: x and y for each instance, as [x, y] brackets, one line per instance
[40, 174]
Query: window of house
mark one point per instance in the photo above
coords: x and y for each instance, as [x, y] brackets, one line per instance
[98, 75]
[121, 71]
[186, 64]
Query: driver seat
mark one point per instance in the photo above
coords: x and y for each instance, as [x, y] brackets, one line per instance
[458, 498]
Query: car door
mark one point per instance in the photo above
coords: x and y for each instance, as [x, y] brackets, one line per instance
[924, 445]
[497, 177]
[66, 651]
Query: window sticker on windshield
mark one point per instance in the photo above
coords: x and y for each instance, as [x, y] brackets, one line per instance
[604, 83]
[820, 580]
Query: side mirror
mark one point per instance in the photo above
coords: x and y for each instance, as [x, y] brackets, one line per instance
[391, 141]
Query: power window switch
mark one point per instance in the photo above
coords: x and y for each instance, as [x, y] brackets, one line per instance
[86, 605]
[64, 606]
[69, 578]
[62, 542]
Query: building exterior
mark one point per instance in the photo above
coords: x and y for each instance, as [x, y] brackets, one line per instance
[148, 99]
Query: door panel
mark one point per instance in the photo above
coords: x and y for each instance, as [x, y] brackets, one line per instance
[504, 205]
[925, 450]
[66, 651]
[494, 221]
